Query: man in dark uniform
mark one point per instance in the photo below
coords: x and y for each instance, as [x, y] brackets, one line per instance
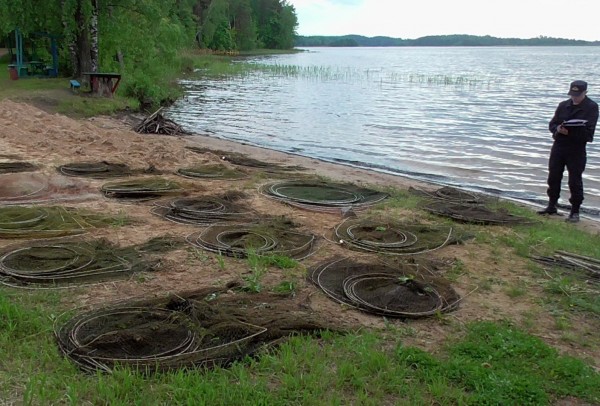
[572, 127]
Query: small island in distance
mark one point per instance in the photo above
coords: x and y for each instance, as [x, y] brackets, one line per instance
[432, 40]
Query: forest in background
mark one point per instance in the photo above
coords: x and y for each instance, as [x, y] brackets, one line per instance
[143, 39]
[431, 40]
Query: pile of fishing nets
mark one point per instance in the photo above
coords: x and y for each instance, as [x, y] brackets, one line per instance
[74, 263]
[17, 166]
[95, 170]
[47, 222]
[206, 210]
[265, 238]
[590, 267]
[140, 189]
[211, 172]
[205, 329]
[322, 196]
[236, 158]
[475, 213]
[392, 237]
[450, 194]
[31, 188]
[404, 290]
[467, 207]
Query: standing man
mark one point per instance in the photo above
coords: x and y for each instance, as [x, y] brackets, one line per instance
[572, 127]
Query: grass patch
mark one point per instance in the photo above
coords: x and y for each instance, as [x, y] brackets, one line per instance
[493, 363]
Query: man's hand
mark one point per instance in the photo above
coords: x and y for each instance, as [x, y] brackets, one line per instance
[562, 130]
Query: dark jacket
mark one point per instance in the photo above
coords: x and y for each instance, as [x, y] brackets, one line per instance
[566, 110]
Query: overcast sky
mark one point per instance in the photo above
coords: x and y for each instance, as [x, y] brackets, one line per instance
[408, 19]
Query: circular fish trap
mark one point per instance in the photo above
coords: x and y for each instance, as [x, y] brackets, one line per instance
[322, 196]
[60, 265]
[402, 292]
[391, 237]
[205, 328]
[151, 339]
[211, 172]
[239, 159]
[478, 214]
[18, 166]
[203, 211]
[235, 240]
[18, 187]
[46, 222]
[140, 189]
[96, 170]
[450, 194]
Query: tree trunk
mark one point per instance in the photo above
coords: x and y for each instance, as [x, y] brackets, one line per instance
[94, 37]
[84, 52]
[72, 48]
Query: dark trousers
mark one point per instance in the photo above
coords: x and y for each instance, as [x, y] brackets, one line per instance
[574, 159]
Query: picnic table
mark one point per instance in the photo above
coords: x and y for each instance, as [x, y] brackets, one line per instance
[104, 84]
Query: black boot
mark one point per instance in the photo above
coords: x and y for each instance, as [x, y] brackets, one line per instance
[573, 218]
[549, 210]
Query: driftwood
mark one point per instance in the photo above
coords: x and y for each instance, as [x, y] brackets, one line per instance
[157, 124]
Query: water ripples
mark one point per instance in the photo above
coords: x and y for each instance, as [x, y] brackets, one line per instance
[470, 117]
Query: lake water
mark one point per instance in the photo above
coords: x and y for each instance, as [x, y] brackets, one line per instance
[469, 117]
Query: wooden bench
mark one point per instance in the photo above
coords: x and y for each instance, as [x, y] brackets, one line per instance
[75, 85]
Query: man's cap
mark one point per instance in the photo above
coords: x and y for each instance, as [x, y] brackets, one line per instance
[577, 88]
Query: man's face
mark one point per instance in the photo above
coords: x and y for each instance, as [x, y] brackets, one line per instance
[578, 99]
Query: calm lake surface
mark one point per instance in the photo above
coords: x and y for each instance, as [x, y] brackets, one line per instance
[470, 117]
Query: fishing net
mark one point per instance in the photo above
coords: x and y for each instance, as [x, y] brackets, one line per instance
[269, 237]
[474, 213]
[236, 158]
[450, 194]
[587, 266]
[95, 170]
[212, 172]
[206, 210]
[205, 329]
[140, 189]
[17, 166]
[392, 237]
[403, 291]
[31, 188]
[322, 196]
[74, 263]
[47, 222]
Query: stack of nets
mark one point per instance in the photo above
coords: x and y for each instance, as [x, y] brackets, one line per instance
[205, 329]
[570, 261]
[211, 172]
[95, 170]
[47, 222]
[402, 291]
[236, 158]
[475, 213]
[71, 263]
[30, 188]
[450, 194]
[140, 189]
[17, 166]
[18, 187]
[467, 207]
[322, 196]
[269, 237]
[391, 237]
[205, 210]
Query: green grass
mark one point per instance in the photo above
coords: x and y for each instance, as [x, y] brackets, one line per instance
[492, 363]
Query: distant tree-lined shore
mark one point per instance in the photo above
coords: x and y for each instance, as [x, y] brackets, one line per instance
[432, 40]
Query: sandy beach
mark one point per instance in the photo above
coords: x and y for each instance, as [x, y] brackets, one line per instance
[49, 140]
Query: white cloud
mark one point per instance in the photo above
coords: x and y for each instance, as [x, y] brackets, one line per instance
[403, 19]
